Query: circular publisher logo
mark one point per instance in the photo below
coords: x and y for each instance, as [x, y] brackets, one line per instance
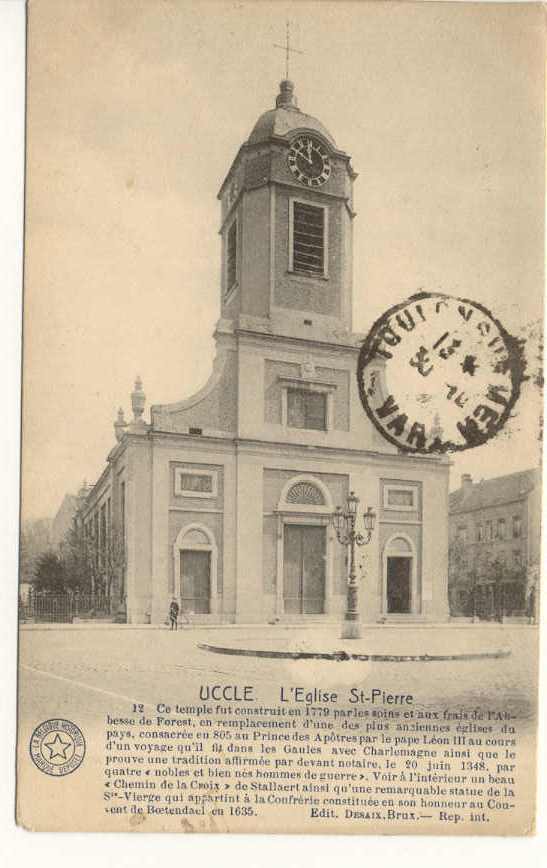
[57, 747]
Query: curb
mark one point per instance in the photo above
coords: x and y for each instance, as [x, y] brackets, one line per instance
[344, 655]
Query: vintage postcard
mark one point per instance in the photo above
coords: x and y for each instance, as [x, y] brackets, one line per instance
[282, 417]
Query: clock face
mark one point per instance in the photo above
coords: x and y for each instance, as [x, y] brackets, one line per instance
[309, 161]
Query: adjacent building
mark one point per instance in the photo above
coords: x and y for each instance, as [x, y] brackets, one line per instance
[224, 499]
[495, 539]
[63, 521]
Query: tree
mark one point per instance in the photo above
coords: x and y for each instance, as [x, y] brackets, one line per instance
[460, 586]
[509, 587]
[516, 590]
[496, 573]
[94, 569]
[50, 574]
[35, 541]
[77, 560]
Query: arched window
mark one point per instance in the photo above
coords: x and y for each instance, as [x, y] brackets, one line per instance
[305, 493]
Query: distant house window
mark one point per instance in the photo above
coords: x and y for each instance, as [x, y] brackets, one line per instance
[480, 533]
[307, 409]
[403, 498]
[231, 257]
[489, 532]
[517, 527]
[308, 233]
[462, 533]
[517, 558]
[501, 528]
[195, 483]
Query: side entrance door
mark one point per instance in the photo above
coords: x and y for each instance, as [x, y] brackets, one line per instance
[195, 572]
[398, 585]
[304, 550]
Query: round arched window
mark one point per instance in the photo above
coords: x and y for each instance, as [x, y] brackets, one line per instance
[305, 493]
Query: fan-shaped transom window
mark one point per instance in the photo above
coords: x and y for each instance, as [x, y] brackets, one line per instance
[305, 493]
[195, 537]
[399, 545]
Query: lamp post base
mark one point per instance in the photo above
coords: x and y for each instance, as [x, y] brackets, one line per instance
[351, 629]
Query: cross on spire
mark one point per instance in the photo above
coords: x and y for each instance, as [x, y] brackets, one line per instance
[287, 49]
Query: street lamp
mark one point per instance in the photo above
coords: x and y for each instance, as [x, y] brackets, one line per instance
[344, 521]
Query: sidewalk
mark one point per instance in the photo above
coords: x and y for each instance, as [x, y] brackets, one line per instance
[392, 642]
[452, 624]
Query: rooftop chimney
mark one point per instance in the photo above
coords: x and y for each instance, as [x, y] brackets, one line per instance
[466, 483]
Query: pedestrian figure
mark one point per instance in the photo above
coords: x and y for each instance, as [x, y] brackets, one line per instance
[174, 614]
[531, 603]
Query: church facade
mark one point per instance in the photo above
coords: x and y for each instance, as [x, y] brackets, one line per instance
[224, 500]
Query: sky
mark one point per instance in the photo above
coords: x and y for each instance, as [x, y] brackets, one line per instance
[135, 111]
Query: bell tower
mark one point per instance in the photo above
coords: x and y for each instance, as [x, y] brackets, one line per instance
[286, 228]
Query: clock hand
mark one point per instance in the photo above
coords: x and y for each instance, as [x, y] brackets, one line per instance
[302, 152]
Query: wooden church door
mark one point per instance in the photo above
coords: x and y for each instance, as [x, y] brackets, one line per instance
[304, 552]
[399, 585]
[195, 571]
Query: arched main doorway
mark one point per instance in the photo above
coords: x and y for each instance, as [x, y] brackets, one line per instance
[303, 580]
[195, 562]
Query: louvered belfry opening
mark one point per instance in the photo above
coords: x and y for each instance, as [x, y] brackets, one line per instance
[306, 409]
[308, 238]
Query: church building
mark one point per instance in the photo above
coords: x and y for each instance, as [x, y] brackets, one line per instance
[224, 500]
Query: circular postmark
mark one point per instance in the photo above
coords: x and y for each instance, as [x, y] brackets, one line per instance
[439, 374]
[57, 747]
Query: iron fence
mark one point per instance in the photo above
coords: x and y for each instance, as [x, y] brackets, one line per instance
[65, 607]
[488, 601]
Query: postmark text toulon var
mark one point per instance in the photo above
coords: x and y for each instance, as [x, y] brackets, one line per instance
[439, 374]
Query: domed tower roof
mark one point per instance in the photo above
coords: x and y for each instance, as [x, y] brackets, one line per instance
[285, 118]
